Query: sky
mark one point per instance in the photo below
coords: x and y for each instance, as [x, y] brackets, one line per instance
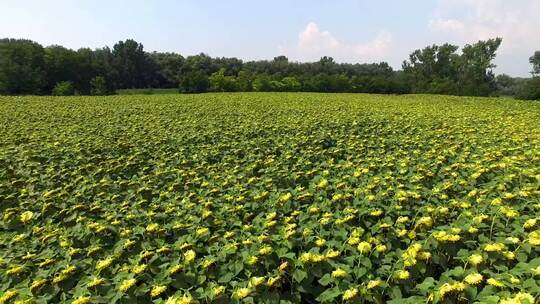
[352, 31]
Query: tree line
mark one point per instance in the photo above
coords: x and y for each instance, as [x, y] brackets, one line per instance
[27, 67]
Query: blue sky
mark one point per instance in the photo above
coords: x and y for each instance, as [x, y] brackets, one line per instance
[348, 30]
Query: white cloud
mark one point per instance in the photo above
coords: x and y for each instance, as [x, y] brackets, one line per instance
[312, 39]
[314, 43]
[446, 25]
[517, 22]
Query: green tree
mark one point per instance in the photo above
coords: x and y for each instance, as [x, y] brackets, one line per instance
[531, 89]
[194, 82]
[244, 81]
[508, 86]
[201, 62]
[440, 70]
[276, 86]
[98, 86]
[170, 65]
[61, 65]
[433, 69]
[291, 84]
[535, 61]
[339, 83]
[22, 67]
[64, 88]
[91, 64]
[132, 67]
[219, 82]
[476, 77]
[261, 83]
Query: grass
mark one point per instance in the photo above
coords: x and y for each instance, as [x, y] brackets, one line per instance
[149, 91]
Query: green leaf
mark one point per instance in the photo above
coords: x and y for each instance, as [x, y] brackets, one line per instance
[326, 280]
[471, 293]
[395, 293]
[329, 295]
[489, 300]
[299, 275]
[426, 286]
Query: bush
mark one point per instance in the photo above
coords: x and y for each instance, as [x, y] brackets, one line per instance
[261, 84]
[64, 88]
[148, 91]
[194, 82]
[98, 86]
[219, 82]
[531, 90]
[291, 84]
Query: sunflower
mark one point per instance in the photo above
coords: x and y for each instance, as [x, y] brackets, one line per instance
[473, 278]
[350, 294]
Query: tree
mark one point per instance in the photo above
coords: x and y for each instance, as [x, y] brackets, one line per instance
[99, 86]
[339, 83]
[28, 68]
[508, 86]
[433, 69]
[221, 83]
[535, 61]
[440, 70]
[261, 83]
[170, 65]
[231, 66]
[194, 82]
[531, 89]
[291, 84]
[244, 81]
[476, 77]
[91, 64]
[61, 65]
[64, 88]
[201, 62]
[132, 67]
[22, 67]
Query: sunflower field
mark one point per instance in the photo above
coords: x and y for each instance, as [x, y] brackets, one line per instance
[269, 198]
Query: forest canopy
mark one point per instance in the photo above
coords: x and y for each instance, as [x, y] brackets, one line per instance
[28, 68]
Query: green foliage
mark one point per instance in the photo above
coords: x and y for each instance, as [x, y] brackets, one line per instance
[261, 83]
[531, 89]
[291, 84]
[28, 68]
[440, 70]
[21, 67]
[64, 88]
[219, 82]
[535, 61]
[61, 65]
[507, 86]
[269, 198]
[194, 82]
[170, 65]
[433, 69]
[146, 91]
[99, 86]
[476, 77]
[133, 68]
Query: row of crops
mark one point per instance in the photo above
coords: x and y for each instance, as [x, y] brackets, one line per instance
[269, 198]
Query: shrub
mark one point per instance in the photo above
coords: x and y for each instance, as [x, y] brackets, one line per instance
[194, 82]
[98, 86]
[64, 88]
[531, 89]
